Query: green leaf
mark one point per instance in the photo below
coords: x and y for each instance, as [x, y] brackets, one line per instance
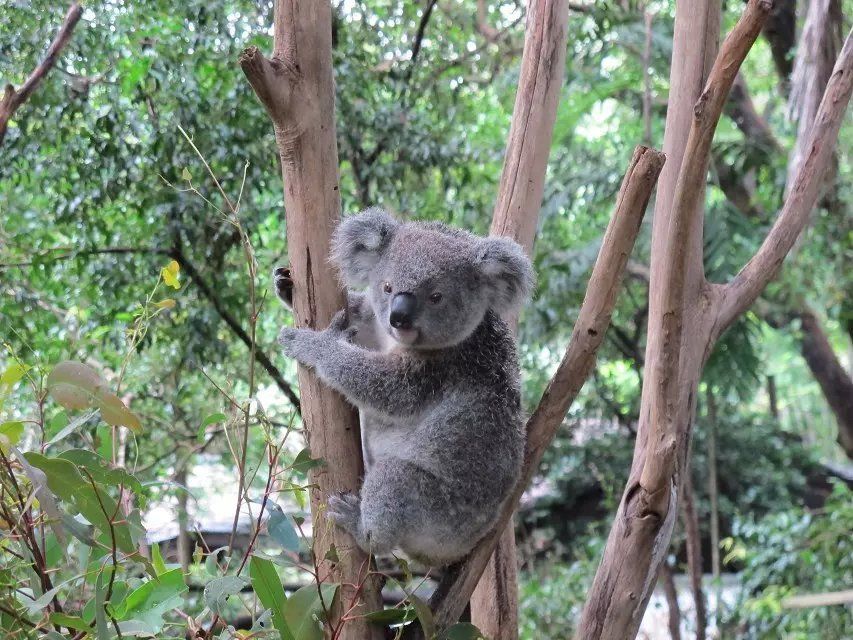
[72, 622]
[71, 426]
[304, 462]
[213, 418]
[186, 175]
[211, 562]
[101, 630]
[218, 590]
[280, 528]
[392, 616]
[102, 471]
[304, 610]
[424, 615]
[157, 559]
[13, 374]
[267, 586]
[93, 502]
[463, 631]
[149, 602]
[10, 434]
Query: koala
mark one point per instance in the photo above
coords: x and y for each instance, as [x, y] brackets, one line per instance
[424, 354]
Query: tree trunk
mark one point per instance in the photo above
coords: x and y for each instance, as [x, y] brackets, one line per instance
[297, 88]
[816, 53]
[687, 314]
[690, 520]
[772, 398]
[834, 381]
[714, 496]
[494, 603]
[667, 580]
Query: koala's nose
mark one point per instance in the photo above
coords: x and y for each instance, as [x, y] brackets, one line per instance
[403, 310]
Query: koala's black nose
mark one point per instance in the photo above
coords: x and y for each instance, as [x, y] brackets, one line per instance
[403, 310]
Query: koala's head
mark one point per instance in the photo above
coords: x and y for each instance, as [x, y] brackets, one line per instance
[430, 285]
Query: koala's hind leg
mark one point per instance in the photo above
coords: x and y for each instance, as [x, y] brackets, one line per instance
[405, 507]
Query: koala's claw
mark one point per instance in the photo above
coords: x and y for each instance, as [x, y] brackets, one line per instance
[345, 511]
[283, 282]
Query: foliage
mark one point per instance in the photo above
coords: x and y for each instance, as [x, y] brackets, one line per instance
[794, 552]
[552, 595]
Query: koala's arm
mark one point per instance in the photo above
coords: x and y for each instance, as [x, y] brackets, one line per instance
[387, 383]
[359, 311]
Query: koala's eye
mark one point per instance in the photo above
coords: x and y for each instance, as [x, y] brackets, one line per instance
[386, 287]
[435, 298]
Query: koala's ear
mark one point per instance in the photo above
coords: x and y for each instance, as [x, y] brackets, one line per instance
[358, 244]
[507, 270]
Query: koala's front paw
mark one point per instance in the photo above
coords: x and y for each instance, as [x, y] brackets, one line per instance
[340, 329]
[297, 343]
[345, 511]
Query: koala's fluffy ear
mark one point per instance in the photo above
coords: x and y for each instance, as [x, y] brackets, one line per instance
[507, 270]
[358, 244]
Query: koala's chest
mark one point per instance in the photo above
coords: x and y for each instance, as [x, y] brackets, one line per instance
[382, 438]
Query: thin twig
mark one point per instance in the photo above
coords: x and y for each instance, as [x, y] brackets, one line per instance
[12, 99]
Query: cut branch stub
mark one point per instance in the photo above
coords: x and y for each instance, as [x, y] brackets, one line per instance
[456, 587]
[273, 80]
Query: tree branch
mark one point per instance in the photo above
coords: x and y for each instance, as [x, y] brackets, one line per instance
[419, 38]
[689, 191]
[456, 587]
[754, 127]
[12, 99]
[742, 291]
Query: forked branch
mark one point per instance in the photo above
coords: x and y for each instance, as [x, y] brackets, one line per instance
[13, 98]
[455, 589]
[689, 191]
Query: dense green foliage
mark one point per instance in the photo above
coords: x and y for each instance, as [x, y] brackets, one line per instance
[100, 190]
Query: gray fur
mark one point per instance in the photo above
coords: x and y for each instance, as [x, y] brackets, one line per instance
[440, 404]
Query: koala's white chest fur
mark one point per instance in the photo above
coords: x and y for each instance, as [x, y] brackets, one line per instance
[381, 437]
